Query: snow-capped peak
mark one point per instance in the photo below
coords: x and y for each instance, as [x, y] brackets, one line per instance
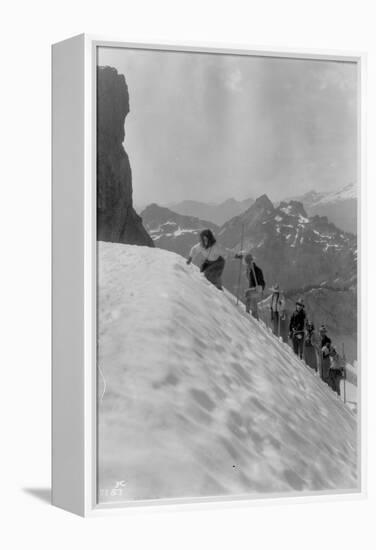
[347, 192]
[293, 208]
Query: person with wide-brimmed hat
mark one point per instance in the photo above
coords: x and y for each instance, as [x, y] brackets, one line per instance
[297, 326]
[325, 360]
[256, 283]
[277, 308]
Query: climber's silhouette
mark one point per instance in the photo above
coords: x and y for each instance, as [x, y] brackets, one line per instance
[213, 257]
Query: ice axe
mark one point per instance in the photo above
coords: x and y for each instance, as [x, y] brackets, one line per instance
[240, 265]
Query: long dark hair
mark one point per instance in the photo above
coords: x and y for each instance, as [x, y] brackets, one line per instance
[210, 238]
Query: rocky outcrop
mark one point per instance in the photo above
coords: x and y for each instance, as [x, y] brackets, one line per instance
[117, 220]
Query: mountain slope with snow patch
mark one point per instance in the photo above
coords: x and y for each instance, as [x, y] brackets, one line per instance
[345, 193]
[339, 206]
[197, 399]
[173, 231]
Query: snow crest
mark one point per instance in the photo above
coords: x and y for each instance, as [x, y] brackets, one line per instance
[199, 399]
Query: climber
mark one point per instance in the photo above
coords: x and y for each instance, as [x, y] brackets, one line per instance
[324, 361]
[277, 309]
[335, 370]
[256, 283]
[324, 339]
[310, 344]
[297, 324]
[213, 256]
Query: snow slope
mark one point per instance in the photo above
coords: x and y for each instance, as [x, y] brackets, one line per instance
[197, 399]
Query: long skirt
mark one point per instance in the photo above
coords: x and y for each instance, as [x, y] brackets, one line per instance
[298, 344]
[252, 297]
[310, 356]
[325, 366]
[284, 328]
[334, 379]
[213, 271]
[275, 323]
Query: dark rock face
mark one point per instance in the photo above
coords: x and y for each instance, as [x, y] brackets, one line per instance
[117, 221]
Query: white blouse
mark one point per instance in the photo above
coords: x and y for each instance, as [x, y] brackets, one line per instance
[210, 254]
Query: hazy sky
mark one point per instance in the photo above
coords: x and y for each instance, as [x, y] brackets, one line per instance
[208, 126]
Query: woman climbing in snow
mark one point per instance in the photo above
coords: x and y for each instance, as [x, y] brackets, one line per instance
[310, 344]
[325, 360]
[256, 283]
[335, 371]
[297, 326]
[277, 309]
[213, 256]
[324, 342]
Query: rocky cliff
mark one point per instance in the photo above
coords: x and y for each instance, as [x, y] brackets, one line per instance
[117, 220]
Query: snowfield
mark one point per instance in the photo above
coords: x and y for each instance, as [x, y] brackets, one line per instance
[195, 398]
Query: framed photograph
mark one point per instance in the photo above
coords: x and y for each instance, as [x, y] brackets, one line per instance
[206, 275]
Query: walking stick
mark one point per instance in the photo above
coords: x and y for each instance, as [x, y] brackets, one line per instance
[262, 292]
[319, 356]
[344, 373]
[240, 266]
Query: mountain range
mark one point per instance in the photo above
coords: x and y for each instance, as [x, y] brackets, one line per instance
[216, 213]
[294, 249]
[339, 206]
[305, 255]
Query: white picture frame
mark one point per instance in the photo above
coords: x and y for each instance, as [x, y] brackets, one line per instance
[74, 378]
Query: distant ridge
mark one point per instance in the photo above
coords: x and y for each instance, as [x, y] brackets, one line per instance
[340, 206]
[173, 231]
[216, 213]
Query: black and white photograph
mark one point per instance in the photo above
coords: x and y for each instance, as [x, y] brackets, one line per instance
[227, 275]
